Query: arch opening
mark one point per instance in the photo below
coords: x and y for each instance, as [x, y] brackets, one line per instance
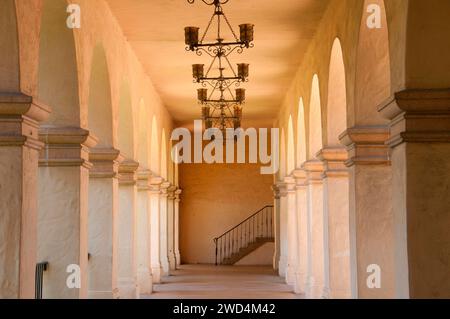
[315, 120]
[58, 72]
[126, 124]
[9, 48]
[301, 134]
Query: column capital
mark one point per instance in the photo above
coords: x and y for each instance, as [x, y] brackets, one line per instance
[165, 185]
[314, 170]
[366, 145]
[334, 159]
[276, 191]
[300, 178]
[105, 162]
[65, 146]
[20, 116]
[290, 183]
[171, 192]
[155, 184]
[282, 188]
[178, 195]
[143, 179]
[127, 172]
[418, 116]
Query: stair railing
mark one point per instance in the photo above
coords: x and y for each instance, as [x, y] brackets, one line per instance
[258, 226]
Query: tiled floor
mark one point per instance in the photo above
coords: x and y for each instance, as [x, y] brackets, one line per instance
[209, 282]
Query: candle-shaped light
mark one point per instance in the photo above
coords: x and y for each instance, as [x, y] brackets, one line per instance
[202, 95]
[240, 95]
[198, 71]
[243, 71]
[191, 36]
[247, 32]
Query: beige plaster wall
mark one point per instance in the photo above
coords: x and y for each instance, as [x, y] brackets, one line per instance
[215, 198]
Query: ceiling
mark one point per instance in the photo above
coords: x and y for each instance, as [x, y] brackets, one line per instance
[283, 30]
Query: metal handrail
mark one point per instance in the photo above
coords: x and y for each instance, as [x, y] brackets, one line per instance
[259, 225]
[259, 211]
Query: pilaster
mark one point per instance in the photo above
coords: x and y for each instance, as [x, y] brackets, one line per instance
[19, 155]
[420, 146]
[171, 227]
[155, 191]
[283, 262]
[291, 230]
[177, 226]
[63, 207]
[276, 218]
[103, 223]
[163, 228]
[128, 254]
[370, 209]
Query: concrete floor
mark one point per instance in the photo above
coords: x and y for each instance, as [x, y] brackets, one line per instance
[233, 282]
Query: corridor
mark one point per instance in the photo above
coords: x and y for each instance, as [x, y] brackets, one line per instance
[210, 282]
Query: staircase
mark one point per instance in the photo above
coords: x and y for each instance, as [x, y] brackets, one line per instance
[245, 237]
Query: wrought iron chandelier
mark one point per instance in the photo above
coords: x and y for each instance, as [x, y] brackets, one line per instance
[221, 108]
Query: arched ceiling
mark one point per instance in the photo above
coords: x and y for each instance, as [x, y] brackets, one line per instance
[283, 30]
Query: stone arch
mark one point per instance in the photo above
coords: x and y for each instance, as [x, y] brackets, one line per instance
[315, 119]
[282, 171]
[290, 164]
[163, 162]
[58, 72]
[373, 79]
[337, 96]
[100, 118]
[143, 134]
[154, 153]
[301, 134]
[126, 124]
[9, 48]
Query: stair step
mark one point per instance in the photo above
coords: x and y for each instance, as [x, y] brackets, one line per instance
[245, 251]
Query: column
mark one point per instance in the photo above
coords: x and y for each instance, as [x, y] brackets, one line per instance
[155, 191]
[163, 228]
[143, 228]
[128, 281]
[283, 262]
[19, 156]
[314, 171]
[276, 225]
[336, 213]
[171, 227]
[302, 274]
[103, 223]
[292, 230]
[371, 214]
[420, 146]
[177, 227]
[63, 210]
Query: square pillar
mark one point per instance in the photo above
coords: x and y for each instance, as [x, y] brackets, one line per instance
[316, 284]
[128, 281]
[155, 191]
[143, 232]
[63, 211]
[336, 213]
[302, 274]
[292, 230]
[19, 156]
[171, 227]
[276, 225]
[163, 236]
[371, 215]
[177, 226]
[103, 223]
[283, 262]
[420, 148]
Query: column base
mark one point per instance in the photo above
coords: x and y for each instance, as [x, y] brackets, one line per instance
[290, 275]
[165, 267]
[172, 262]
[177, 259]
[282, 267]
[145, 281]
[300, 284]
[104, 294]
[156, 274]
[128, 288]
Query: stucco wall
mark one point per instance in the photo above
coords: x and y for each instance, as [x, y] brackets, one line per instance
[216, 198]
